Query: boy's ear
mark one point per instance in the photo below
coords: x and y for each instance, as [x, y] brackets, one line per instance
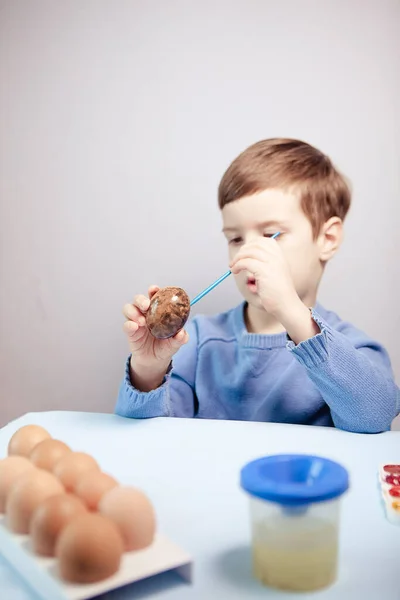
[330, 238]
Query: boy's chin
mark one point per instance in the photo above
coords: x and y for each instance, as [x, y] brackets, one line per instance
[252, 300]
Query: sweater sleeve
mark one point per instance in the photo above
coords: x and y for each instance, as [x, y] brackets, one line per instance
[354, 376]
[175, 397]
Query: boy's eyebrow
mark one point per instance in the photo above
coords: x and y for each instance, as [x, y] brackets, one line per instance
[278, 224]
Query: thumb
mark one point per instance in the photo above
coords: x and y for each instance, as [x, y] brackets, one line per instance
[180, 339]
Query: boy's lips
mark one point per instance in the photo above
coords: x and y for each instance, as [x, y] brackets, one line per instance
[252, 284]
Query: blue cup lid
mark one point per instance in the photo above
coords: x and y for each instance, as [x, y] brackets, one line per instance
[294, 479]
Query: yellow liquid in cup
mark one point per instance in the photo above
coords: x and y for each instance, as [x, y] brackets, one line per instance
[295, 554]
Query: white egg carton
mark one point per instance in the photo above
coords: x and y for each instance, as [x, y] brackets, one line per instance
[391, 503]
[41, 574]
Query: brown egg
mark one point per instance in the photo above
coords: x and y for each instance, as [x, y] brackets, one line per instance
[47, 453]
[168, 312]
[92, 486]
[28, 492]
[89, 549]
[11, 468]
[50, 518]
[133, 513]
[69, 468]
[25, 439]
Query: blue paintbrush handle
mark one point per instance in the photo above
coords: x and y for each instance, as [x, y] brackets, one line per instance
[214, 285]
[210, 287]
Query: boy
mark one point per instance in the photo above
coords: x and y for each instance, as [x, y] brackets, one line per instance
[279, 356]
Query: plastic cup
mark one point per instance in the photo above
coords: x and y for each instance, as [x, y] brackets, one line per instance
[295, 510]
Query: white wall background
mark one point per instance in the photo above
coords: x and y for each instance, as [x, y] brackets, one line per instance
[117, 119]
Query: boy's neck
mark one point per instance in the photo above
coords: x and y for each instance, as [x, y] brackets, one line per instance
[257, 320]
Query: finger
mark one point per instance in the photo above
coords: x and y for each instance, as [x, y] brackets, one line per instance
[247, 264]
[153, 289]
[141, 302]
[130, 328]
[266, 245]
[132, 313]
[179, 339]
[253, 252]
[270, 246]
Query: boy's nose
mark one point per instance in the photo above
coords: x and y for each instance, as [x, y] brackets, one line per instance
[251, 236]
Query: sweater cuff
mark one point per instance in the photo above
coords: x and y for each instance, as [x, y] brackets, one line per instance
[314, 351]
[147, 404]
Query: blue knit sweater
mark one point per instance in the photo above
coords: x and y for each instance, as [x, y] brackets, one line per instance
[338, 378]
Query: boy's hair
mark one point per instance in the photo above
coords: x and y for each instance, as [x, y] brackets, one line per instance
[291, 165]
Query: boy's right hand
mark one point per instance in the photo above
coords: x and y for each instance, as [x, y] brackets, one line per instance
[150, 357]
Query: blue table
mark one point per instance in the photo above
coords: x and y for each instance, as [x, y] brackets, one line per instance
[190, 470]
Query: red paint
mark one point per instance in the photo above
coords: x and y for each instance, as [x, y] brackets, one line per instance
[392, 469]
[395, 491]
[393, 479]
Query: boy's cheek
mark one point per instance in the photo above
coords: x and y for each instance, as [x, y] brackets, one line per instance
[232, 252]
[239, 283]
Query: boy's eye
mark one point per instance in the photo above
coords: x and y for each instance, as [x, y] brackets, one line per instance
[235, 241]
[268, 235]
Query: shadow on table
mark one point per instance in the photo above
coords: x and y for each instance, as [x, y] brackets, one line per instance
[146, 587]
[235, 566]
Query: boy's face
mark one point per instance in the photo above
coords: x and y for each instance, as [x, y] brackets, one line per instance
[263, 214]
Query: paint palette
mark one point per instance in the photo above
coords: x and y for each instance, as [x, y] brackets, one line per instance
[389, 482]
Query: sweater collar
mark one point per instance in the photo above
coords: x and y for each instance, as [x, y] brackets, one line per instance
[259, 340]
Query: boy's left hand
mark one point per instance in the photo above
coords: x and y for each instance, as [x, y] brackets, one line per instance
[264, 260]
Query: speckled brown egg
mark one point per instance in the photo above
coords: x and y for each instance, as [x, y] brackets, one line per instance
[89, 549]
[47, 453]
[25, 439]
[28, 492]
[11, 468]
[133, 513]
[69, 468]
[168, 312]
[92, 486]
[50, 518]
